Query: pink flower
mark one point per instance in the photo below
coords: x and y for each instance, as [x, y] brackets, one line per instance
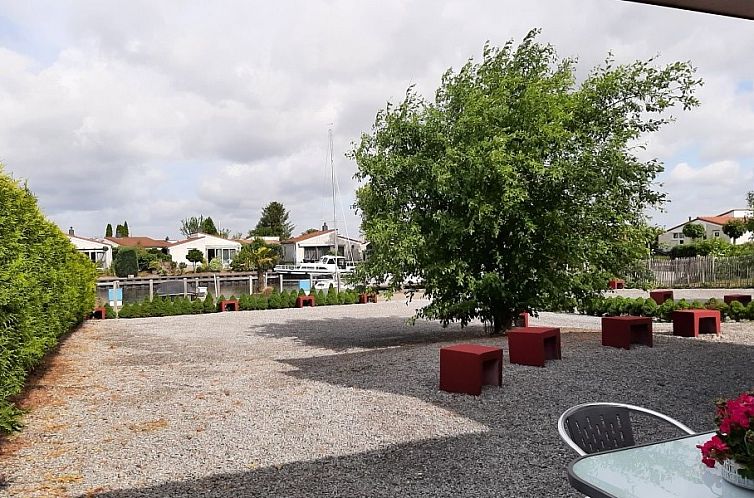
[713, 450]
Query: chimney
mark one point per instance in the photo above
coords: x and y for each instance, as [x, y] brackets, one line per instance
[324, 226]
[689, 218]
[70, 231]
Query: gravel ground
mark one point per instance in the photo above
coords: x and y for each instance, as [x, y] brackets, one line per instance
[334, 401]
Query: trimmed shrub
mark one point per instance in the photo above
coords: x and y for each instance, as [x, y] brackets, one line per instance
[48, 288]
[209, 304]
[126, 262]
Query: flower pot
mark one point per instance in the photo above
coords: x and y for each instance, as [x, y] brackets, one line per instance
[730, 473]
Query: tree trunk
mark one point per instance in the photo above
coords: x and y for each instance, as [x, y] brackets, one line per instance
[260, 281]
[501, 321]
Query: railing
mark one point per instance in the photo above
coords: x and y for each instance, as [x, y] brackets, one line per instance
[703, 271]
[227, 284]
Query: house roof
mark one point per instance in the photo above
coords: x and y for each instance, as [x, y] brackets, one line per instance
[744, 10]
[106, 242]
[717, 220]
[306, 236]
[199, 236]
[139, 241]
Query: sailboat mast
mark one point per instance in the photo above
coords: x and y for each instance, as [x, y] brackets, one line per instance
[332, 180]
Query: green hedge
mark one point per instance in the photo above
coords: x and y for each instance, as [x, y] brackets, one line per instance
[247, 302]
[46, 289]
[614, 306]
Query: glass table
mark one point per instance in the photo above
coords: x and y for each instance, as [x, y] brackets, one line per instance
[671, 468]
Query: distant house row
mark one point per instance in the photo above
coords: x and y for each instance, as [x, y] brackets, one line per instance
[304, 248]
[713, 228]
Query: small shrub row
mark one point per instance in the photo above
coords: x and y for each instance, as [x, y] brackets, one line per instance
[247, 302]
[614, 306]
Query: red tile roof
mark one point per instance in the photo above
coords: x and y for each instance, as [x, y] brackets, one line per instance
[139, 241]
[717, 220]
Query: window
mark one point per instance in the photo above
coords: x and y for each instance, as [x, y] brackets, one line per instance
[680, 242]
[677, 235]
[716, 233]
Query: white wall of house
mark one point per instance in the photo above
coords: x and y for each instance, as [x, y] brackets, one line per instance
[209, 245]
[313, 248]
[674, 236]
[100, 253]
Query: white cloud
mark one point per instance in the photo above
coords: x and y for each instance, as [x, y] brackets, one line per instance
[155, 111]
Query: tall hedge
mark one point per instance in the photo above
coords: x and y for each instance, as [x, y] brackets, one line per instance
[126, 262]
[46, 288]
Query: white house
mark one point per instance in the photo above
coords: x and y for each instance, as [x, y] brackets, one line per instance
[312, 246]
[211, 247]
[713, 228]
[99, 251]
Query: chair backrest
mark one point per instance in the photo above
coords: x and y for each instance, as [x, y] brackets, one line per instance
[595, 427]
[600, 427]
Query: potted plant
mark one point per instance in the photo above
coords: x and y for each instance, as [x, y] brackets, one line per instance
[733, 444]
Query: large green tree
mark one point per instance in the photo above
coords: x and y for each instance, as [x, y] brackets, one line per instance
[518, 188]
[274, 221]
[109, 230]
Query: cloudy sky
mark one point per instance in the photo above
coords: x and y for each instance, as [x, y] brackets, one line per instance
[152, 112]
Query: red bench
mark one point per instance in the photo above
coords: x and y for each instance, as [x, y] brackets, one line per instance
[622, 331]
[533, 345]
[365, 298]
[660, 296]
[99, 313]
[464, 368]
[741, 298]
[228, 305]
[302, 301]
[522, 320]
[616, 283]
[691, 323]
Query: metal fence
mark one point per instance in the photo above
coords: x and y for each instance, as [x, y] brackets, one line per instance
[227, 284]
[703, 271]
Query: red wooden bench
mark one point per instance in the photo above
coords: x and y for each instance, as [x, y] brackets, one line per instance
[691, 323]
[741, 298]
[464, 368]
[660, 296]
[533, 345]
[622, 331]
[99, 313]
[616, 283]
[228, 305]
[302, 301]
[370, 297]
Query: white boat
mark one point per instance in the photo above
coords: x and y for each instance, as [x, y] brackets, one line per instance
[327, 264]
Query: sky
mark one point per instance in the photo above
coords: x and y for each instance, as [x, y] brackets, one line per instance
[153, 112]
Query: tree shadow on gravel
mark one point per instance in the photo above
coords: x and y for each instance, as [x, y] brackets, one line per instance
[467, 465]
[520, 453]
[382, 332]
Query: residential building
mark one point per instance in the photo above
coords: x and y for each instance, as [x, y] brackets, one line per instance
[211, 247]
[713, 228]
[310, 247]
[100, 252]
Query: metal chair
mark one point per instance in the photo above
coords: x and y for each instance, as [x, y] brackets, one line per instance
[594, 427]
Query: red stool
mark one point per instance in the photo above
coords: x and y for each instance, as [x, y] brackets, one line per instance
[691, 323]
[99, 313]
[229, 305]
[616, 283]
[622, 331]
[302, 301]
[660, 296]
[522, 320]
[533, 345]
[741, 298]
[367, 298]
[464, 368]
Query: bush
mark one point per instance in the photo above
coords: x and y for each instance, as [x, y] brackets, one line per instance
[209, 304]
[737, 311]
[126, 263]
[48, 288]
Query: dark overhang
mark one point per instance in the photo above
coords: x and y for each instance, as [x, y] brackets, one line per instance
[732, 8]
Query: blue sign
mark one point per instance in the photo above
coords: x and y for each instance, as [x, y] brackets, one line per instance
[304, 285]
[115, 296]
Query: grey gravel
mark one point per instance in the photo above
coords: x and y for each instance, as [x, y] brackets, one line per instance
[335, 401]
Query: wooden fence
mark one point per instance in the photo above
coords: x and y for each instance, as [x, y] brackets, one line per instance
[703, 271]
